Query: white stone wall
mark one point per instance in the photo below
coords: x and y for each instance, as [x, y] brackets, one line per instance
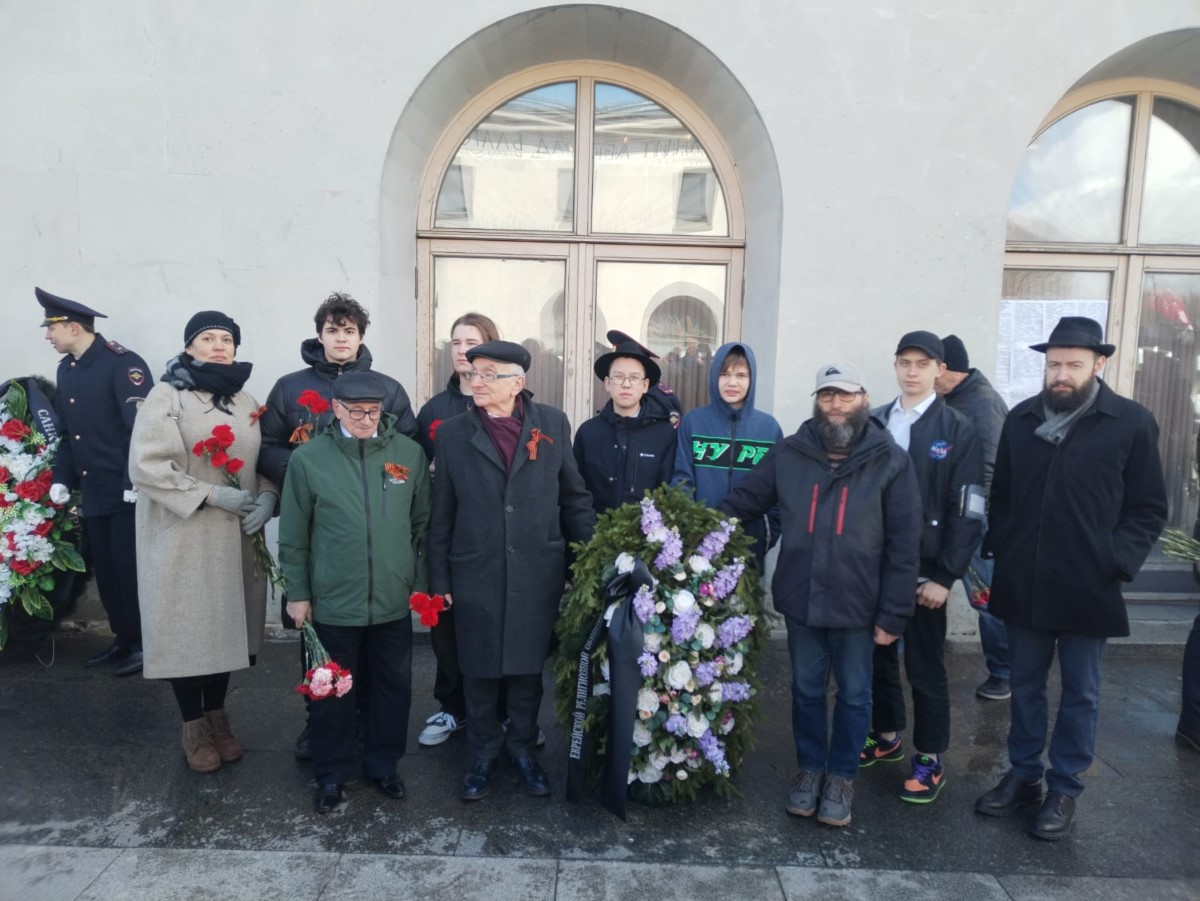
[163, 157]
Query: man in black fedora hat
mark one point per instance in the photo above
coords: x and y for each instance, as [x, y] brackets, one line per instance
[98, 384]
[629, 446]
[1077, 503]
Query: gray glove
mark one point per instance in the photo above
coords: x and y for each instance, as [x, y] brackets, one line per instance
[235, 500]
[264, 509]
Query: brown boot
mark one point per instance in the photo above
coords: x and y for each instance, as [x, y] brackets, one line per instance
[198, 745]
[227, 745]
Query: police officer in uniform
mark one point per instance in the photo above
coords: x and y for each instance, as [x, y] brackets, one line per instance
[99, 383]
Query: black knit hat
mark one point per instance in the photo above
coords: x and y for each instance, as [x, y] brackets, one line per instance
[210, 319]
[956, 358]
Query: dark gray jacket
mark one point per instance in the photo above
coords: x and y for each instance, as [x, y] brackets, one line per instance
[848, 554]
[978, 401]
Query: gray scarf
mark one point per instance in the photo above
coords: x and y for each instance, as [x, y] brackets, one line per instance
[1057, 425]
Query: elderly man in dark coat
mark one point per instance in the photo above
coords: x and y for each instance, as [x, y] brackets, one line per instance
[507, 499]
[1077, 503]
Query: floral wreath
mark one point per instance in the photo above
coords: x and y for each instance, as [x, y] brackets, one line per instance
[695, 707]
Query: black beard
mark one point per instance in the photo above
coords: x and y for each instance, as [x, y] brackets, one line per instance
[839, 435]
[1058, 402]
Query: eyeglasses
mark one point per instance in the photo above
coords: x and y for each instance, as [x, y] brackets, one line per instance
[829, 395]
[360, 415]
[625, 381]
[489, 377]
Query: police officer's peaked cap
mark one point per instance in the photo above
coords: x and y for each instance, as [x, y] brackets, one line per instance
[501, 352]
[617, 338]
[59, 309]
[359, 387]
[633, 351]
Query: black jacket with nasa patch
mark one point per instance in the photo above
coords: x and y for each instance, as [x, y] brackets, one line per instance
[620, 457]
[97, 402]
[947, 456]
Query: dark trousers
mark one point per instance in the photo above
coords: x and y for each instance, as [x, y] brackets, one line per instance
[387, 647]
[448, 683]
[112, 549]
[1073, 743]
[925, 666]
[361, 668]
[485, 738]
[1189, 717]
[814, 653]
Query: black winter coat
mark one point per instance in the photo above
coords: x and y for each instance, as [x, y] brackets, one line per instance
[498, 539]
[442, 406]
[284, 413]
[984, 408]
[848, 553]
[947, 457]
[620, 457]
[1069, 523]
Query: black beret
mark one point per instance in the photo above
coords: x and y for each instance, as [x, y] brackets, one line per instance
[502, 352]
[359, 386]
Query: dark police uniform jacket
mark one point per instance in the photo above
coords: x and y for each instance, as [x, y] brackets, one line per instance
[96, 402]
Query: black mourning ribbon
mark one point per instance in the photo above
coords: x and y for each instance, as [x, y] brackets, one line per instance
[42, 411]
[625, 645]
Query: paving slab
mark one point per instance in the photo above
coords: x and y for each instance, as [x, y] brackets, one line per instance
[360, 877]
[1086, 888]
[806, 884]
[48, 873]
[665, 882]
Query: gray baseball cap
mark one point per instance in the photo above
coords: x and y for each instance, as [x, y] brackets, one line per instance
[842, 376]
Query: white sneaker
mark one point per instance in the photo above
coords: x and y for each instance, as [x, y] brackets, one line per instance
[438, 728]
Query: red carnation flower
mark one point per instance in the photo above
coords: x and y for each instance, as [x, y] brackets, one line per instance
[313, 402]
[220, 458]
[5, 475]
[198, 448]
[223, 436]
[234, 466]
[44, 529]
[14, 430]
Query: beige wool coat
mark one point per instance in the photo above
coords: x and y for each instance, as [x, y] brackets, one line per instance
[203, 600]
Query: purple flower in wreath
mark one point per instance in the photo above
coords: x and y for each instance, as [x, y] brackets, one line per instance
[649, 664]
[676, 724]
[684, 626]
[733, 630]
[705, 674]
[726, 580]
[652, 520]
[643, 603]
[710, 746]
[714, 542]
[735, 691]
[672, 550]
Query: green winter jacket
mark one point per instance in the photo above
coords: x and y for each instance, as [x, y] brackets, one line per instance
[352, 525]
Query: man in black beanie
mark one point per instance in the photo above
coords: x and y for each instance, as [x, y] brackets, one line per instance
[969, 392]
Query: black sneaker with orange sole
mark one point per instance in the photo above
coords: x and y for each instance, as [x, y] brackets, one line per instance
[879, 749]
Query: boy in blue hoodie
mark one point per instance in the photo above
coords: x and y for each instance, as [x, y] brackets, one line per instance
[721, 442]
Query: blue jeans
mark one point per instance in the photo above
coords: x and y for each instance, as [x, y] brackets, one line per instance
[848, 653]
[993, 637]
[1073, 743]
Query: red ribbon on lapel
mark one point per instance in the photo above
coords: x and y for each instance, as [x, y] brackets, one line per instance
[534, 437]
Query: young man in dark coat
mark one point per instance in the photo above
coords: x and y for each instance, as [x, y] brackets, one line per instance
[507, 499]
[97, 380]
[947, 459]
[1077, 503]
[467, 331]
[337, 349]
[629, 446]
[969, 392]
[846, 577]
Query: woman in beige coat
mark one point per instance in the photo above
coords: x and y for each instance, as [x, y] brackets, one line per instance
[203, 597]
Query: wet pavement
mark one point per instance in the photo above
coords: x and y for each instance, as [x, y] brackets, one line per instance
[97, 802]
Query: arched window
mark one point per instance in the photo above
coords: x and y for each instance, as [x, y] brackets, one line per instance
[572, 199]
[1104, 221]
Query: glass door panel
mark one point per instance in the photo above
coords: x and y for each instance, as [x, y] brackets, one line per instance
[1032, 302]
[675, 309]
[525, 298]
[1166, 381]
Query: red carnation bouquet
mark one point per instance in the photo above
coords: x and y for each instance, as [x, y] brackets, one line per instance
[427, 607]
[326, 679]
[216, 448]
[317, 407]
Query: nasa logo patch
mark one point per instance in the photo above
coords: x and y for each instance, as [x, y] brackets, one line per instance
[136, 377]
[940, 450]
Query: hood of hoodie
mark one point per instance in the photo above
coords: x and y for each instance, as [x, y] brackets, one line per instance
[714, 376]
[313, 354]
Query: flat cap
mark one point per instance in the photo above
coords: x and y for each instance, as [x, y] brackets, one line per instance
[501, 352]
[360, 387]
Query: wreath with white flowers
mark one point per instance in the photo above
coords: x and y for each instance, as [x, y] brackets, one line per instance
[695, 707]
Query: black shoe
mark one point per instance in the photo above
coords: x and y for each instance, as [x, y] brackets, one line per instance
[132, 664]
[994, 689]
[1009, 796]
[111, 654]
[303, 749]
[328, 796]
[533, 777]
[390, 787]
[477, 784]
[1056, 819]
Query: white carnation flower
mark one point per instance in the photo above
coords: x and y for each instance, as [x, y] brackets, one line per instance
[625, 562]
[679, 674]
[684, 601]
[699, 565]
[641, 735]
[706, 634]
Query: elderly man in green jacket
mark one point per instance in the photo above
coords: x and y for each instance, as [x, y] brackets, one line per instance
[353, 519]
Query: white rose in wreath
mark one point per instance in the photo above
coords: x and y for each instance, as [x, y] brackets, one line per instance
[678, 756]
[697, 724]
[684, 601]
[625, 562]
[706, 634]
[604, 670]
[647, 701]
[679, 674]
[652, 642]
[698, 564]
[649, 775]
[641, 735]
[733, 663]
[659, 760]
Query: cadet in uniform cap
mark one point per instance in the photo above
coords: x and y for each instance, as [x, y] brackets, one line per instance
[99, 383]
[661, 389]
